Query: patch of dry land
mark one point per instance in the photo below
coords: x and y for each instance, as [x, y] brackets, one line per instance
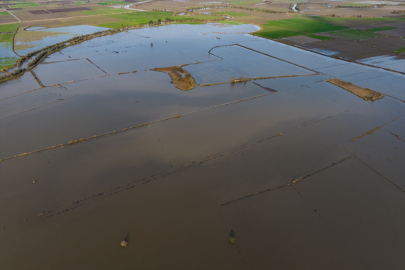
[180, 78]
[364, 93]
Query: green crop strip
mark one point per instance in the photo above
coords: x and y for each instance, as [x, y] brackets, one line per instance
[295, 27]
[355, 34]
[400, 50]
[142, 18]
[380, 29]
[6, 28]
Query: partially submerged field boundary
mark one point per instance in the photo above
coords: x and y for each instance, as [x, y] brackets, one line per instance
[82, 140]
[364, 93]
[338, 58]
[280, 59]
[296, 180]
[373, 130]
[159, 175]
[243, 80]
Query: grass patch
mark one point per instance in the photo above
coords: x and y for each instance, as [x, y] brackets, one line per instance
[380, 29]
[7, 62]
[6, 37]
[140, 18]
[24, 4]
[355, 34]
[137, 18]
[304, 25]
[231, 22]
[355, 5]
[4, 13]
[12, 27]
[105, 11]
[389, 19]
[107, 3]
[230, 13]
[331, 19]
[272, 32]
[400, 50]
[319, 37]
[244, 2]
[295, 27]
[189, 23]
[195, 17]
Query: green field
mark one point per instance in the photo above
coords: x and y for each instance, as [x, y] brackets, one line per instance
[318, 37]
[24, 4]
[188, 23]
[106, 11]
[6, 62]
[231, 22]
[380, 29]
[230, 13]
[355, 34]
[4, 13]
[109, 3]
[140, 18]
[304, 25]
[6, 37]
[356, 5]
[272, 32]
[12, 27]
[295, 27]
[389, 19]
[401, 50]
[331, 19]
[244, 2]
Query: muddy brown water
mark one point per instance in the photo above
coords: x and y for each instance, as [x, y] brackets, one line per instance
[212, 159]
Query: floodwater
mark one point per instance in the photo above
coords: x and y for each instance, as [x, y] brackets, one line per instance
[385, 61]
[303, 172]
[39, 38]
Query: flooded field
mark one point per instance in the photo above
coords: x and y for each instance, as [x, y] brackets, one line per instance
[35, 38]
[261, 164]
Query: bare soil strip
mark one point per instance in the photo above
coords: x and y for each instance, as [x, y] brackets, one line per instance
[364, 93]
